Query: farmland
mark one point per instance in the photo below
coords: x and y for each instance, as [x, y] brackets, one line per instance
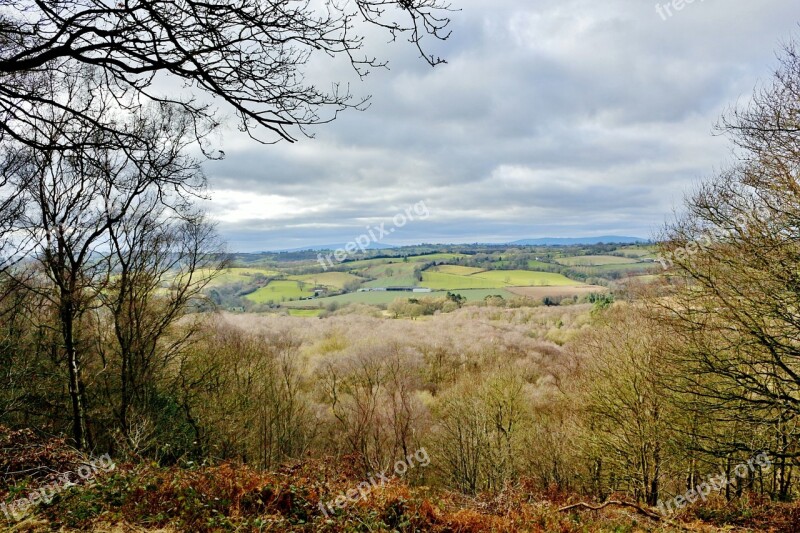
[338, 280]
[279, 291]
[457, 270]
[556, 292]
[595, 260]
[525, 278]
[440, 281]
[535, 274]
[238, 275]
[385, 298]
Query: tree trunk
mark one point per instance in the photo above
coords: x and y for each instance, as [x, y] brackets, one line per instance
[79, 431]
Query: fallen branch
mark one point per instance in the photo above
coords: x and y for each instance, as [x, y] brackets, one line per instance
[640, 509]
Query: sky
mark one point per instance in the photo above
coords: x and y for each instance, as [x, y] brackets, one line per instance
[562, 118]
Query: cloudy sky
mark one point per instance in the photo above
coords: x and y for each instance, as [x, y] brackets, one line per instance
[552, 118]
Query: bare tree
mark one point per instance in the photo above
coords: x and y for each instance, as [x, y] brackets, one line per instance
[72, 188]
[733, 295]
[630, 420]
[250, 54]
[161, 260]
[479, 431]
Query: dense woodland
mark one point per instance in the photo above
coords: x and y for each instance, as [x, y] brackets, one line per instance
[110, 344]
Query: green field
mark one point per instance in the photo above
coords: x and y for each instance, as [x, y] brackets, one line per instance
[279, 291]
[537, 265]
[371, 298]
[336, 280]
[389, 269]
[494, 279]
[237, 275]
[633, 268]
[435, 257]
[366, 263]
[639, 251]
[524, 278]
[440, 281]
[393, 281]
[457, 270]
[595, 260]
[305, 313]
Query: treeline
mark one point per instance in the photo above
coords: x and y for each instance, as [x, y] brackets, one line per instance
[104, 254]
[103, 251]
[704, 376]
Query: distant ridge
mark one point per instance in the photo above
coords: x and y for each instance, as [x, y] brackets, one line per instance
[546, 241]
[604, 239]
[331, 247]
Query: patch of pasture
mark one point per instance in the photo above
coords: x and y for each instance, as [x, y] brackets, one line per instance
[441, 281]
[595, 260]
[538, 293]
[281, 291]
[524, 278]
[393, 281]
[457, 270]
[336, 280]
[305, 313]
[230, 276]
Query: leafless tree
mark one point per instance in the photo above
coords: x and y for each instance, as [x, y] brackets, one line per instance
[71, 187]
[250, 54]
[733, 295]
[161, 260]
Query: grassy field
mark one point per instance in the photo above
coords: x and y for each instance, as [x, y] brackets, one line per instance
[366, 263]
[305, 313]
[524, 278]
[595, 260]
[436, 257]
[336, 280]
[493, 279]
[633, 268]
[279, 291]
[440, 281]
[393, 281]
[389, 269]
[639, 251]
[370, 298]
[238, 275]
[457, 270]
[535, 265]
[538, 293]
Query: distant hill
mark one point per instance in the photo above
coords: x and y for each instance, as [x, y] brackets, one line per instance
[321, 247]
[605, 239]
[546, 241]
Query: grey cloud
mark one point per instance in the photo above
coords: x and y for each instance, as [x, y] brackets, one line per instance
[605, 110]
